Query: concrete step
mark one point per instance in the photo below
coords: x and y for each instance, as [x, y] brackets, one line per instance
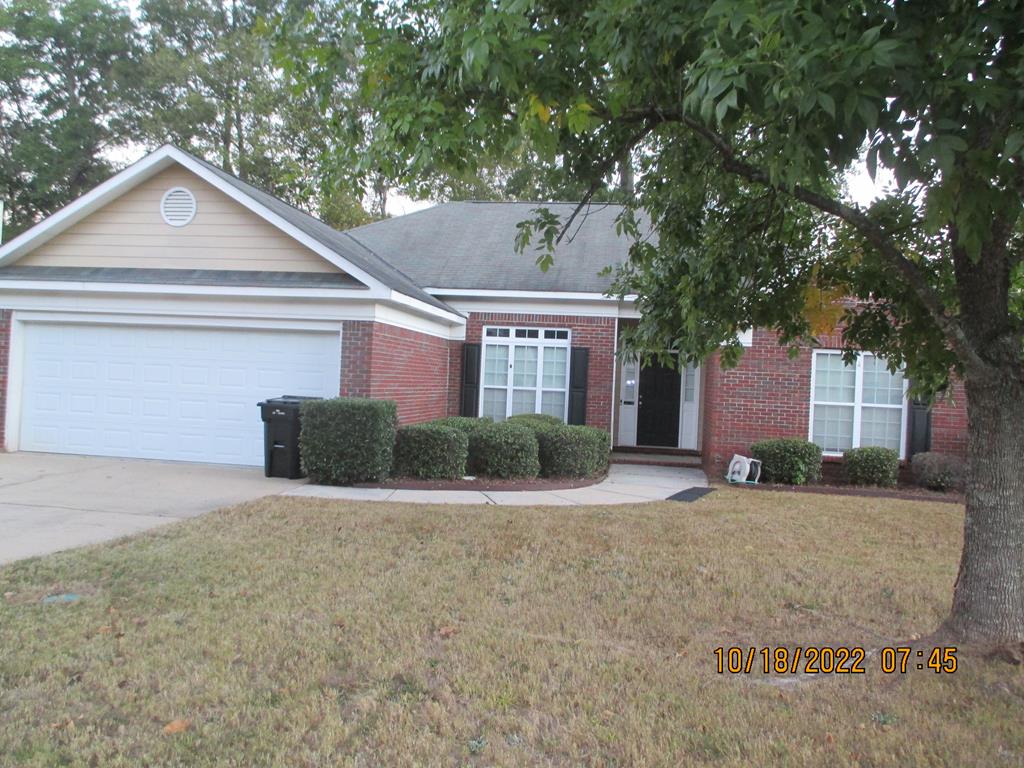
[655, 459]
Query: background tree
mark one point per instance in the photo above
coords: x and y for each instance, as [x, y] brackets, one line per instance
[743, 116]
[209, 85]
[62, 101]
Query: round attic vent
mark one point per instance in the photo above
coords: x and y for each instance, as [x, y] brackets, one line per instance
[178, 206]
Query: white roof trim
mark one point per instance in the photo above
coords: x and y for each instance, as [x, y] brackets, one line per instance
[148, 167]
[77, 286]
[510, 294]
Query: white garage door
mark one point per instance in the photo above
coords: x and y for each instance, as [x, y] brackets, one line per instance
[186, 394]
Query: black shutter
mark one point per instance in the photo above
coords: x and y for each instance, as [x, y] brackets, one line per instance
[920, 427]
[470, 402]
[578, 363]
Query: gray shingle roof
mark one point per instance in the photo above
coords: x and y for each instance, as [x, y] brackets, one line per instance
[218, 277]
[359, 254]
[472, 245]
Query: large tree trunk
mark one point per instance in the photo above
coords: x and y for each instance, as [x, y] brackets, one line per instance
[988, 599]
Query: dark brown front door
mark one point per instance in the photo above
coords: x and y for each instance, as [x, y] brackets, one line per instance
[657, 418]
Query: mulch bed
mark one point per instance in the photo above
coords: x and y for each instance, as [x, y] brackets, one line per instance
[908, 493]
[484, 484]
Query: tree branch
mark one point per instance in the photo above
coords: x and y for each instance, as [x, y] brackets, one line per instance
[873, 233]
[602, 170]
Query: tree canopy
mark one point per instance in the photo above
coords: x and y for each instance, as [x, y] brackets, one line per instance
[62, 104]
[84, 86]
[743, 117]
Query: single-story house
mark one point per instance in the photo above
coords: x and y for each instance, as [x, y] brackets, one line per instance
[148, 317]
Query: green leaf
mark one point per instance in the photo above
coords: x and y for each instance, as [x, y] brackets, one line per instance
[1014, 143]
[827, 103]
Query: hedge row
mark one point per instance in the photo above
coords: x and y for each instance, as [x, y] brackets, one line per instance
[352, 440]
[792, 461]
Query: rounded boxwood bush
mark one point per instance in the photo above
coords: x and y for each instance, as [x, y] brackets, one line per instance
[507, 450]
[937, 471]
[788, 460]
[430, 452]
[872, 465]
[573, 451]
[347, 439]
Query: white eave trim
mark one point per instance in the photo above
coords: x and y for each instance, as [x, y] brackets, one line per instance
[501, 294]
[69, 286]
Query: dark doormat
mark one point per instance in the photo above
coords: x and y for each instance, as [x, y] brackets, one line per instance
[690, 494]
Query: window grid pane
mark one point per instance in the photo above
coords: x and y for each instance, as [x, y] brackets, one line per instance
[834, 382]
[689, 383]
[881, 426]
[555, 360]
[833, 427]
[553, 404]
[496, 365]
[881, 387]
[524, 367]
[494, 403]
[523, 401]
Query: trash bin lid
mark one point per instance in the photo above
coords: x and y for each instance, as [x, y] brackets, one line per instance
[287, 400]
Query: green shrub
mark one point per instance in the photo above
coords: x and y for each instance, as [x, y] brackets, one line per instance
[505, 450]
[430, 451]
[536, 420]
[465, 424]
[573, 451]
[347, 439]
[788, 460]
[872, 465]
[937, 471]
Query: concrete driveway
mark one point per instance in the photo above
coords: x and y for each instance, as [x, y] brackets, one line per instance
[50, 502]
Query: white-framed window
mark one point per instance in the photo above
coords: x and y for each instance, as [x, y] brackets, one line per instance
[856, 405]
[525, 370]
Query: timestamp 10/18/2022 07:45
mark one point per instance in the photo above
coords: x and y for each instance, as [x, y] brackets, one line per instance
[827, 660]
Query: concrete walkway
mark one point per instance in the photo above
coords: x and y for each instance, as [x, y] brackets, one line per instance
[625, 484]
[52, 502]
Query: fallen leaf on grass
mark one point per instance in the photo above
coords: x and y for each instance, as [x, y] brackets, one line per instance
[177, 726]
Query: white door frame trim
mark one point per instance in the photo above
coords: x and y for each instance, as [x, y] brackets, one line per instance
[682, 402]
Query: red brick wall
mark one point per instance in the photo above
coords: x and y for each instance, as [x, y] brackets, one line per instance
[5, 353]
[949, 422]
[768, 395]
[412, 369]
[356, 344]
[595, 333]
[390, 363]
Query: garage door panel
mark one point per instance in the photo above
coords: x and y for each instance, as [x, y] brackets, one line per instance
[164, 393]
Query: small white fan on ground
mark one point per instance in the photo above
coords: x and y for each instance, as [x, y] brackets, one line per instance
[743, 470]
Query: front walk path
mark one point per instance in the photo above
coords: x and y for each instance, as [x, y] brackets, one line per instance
[625, 484]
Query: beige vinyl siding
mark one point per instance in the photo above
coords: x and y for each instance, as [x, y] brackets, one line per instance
[130, 232]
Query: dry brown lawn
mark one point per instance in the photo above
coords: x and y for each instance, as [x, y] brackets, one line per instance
[294, 632]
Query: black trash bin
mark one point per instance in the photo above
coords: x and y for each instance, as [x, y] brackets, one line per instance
[281, 425]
